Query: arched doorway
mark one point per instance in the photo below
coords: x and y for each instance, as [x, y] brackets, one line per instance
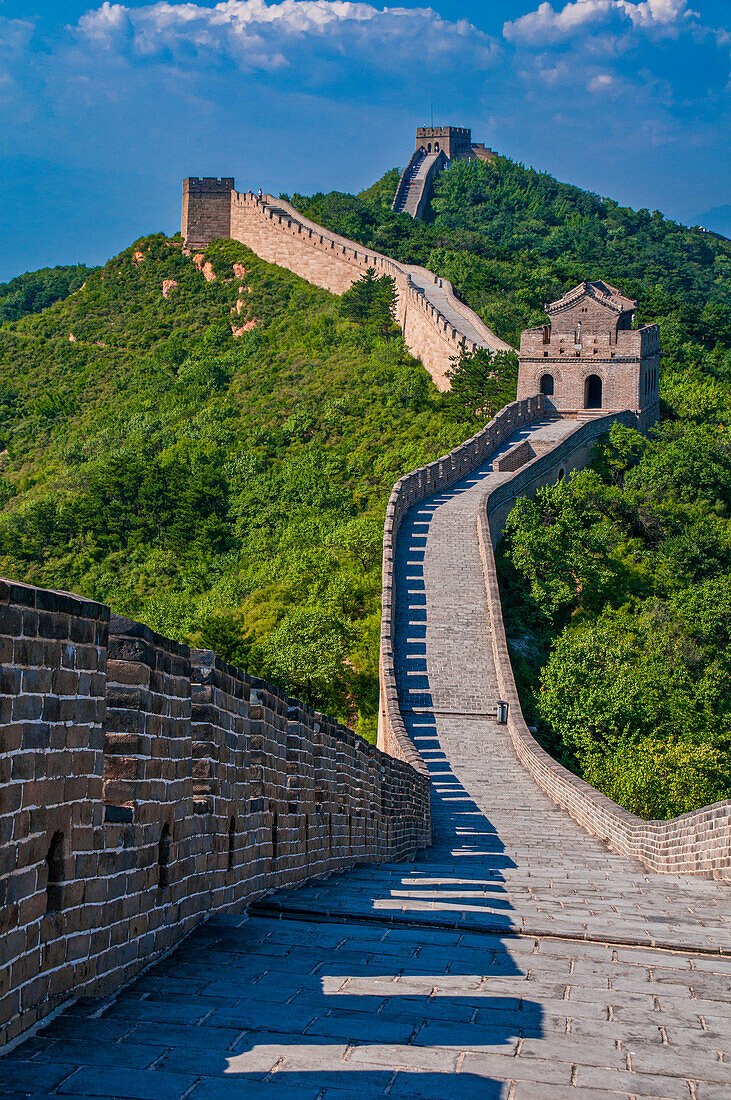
[547, 385]
[593, 392]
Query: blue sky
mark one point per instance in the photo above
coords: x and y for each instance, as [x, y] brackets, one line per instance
[104, 108]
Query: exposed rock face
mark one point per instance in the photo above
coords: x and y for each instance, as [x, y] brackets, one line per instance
[137, 258]
[246, 327]
[205, 267]
[167, 286]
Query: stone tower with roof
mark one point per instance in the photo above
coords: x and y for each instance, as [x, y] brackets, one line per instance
[591, 359]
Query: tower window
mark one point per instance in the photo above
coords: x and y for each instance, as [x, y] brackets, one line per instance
[163, 859]
[547, 385]
[231, 843]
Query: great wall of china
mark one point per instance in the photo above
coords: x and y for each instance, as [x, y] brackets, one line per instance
[435, 323]
[147, 786]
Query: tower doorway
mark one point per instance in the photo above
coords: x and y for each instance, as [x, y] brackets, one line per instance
[593, 392]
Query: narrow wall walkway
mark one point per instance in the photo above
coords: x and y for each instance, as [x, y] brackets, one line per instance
[516, 959]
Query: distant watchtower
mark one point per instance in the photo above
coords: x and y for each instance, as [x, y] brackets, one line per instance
[455, 141]
[591, 359]
[206, 210]
[437, 147]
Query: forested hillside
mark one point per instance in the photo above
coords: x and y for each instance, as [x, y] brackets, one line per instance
[228, 490]
[208, 444]
[615, 583]
[37, 290]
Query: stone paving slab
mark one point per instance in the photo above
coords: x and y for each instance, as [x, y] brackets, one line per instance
[464, 1015]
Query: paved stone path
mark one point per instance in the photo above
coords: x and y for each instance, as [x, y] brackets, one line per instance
[439, 298]
[517, 959]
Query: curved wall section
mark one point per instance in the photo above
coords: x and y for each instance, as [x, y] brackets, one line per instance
[695, 843]
[436, 325]
[408, 490]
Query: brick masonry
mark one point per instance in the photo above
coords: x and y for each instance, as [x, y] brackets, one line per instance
[435, 325]
[146, 785]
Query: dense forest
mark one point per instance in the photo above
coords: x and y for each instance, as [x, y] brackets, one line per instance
[36, 290]
[209, 444]
[209, 447]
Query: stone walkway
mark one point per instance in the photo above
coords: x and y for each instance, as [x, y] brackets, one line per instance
[517, 959]
[439, 298]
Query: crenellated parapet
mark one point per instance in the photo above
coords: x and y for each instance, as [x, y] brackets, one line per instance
[409, 490]
[146, 785]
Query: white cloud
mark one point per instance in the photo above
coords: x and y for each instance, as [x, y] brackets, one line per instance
[602, 82]
[546, 24]
[256, 34]
[657, 13]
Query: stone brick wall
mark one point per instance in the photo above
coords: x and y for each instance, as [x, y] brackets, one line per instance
[697, 843]
[144, 786]
[281, 235]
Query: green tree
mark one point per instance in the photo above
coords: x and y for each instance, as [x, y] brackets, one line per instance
[306, 655]
[484, 381]
[371, 300]
[628, 697]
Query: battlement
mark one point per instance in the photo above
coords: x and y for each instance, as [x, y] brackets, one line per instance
[210, 185]
[146, 785]
[206, 213]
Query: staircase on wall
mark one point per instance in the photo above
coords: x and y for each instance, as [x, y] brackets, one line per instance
[415, 185]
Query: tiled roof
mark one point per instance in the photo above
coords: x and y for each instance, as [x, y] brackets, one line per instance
[602, 292]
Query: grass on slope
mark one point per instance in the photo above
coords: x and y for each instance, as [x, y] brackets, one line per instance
[227, 491]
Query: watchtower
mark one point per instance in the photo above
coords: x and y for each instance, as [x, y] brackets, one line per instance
[206, 210]
[455, 141]
[591, 358]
